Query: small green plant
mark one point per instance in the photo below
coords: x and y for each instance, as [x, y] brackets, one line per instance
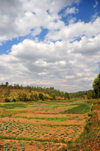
[90, 114]
[6, 147]
[14, 147]
[22, 146]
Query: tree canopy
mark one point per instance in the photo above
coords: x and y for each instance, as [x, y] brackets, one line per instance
[96, 86]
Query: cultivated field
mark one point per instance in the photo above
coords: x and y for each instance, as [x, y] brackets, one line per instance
[41, 126]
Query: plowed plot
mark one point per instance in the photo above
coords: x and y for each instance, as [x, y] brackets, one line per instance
[30, 146]
[37, 132]
[46, 122]
[31, 130]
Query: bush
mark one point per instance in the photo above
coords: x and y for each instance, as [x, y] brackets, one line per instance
[36, 97]
[66, 96]
[90, 114]
[22, 96]
[96, 86]
[33, 97]
[41, 96]
[7, 100]
[91, 94]
[53, 96]
[13, 100]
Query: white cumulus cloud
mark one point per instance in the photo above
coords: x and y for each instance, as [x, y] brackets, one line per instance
[68, 56]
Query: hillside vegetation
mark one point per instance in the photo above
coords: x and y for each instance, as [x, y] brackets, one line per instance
[48, 119]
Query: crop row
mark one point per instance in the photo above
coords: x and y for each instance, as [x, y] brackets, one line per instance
[14, 148]
[39, 132]
[22, 146]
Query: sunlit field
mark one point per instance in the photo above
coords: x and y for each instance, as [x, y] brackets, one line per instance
[45, 125]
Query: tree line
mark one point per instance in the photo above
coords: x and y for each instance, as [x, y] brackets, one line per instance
[95, 93]
[32, 93]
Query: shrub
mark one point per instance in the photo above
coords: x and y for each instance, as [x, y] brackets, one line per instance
[41, 96]
[7, 100]
[53, 96]
[66, 96]
[13, 100]
[22, 96]
[91, 94]
[90, 114]
[33, 97]
[96, 86]
[36, 97]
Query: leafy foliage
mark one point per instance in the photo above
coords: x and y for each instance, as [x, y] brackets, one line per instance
[91, 94]
[41, 96]
[96, 86]
[80, 94]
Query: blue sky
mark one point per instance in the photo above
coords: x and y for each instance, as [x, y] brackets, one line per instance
[50, 40]
[85, 13]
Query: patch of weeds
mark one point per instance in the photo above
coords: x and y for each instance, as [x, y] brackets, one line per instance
[80, 109]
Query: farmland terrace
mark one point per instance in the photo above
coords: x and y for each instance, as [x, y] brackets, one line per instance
[43, 125]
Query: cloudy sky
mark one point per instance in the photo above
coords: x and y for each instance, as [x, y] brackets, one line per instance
[50, 43]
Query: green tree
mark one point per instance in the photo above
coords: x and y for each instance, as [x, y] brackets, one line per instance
[53, 96]
[6, 84]
[66, 96]
[96, 86]
[91, 94]
[41, 96]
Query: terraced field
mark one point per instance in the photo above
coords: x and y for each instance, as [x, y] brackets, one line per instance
[41, 126]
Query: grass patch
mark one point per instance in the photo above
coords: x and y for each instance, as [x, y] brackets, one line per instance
[91, 134]
[13, 105]
[80, 109]
[10, 112]
[49, 119]
[47, 106]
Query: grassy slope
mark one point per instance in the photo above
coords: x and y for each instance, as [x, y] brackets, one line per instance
[89, 140]
[80, 109]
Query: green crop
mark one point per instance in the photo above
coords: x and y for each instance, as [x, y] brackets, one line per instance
[14, 148]
[6, 147]
[22, 146]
